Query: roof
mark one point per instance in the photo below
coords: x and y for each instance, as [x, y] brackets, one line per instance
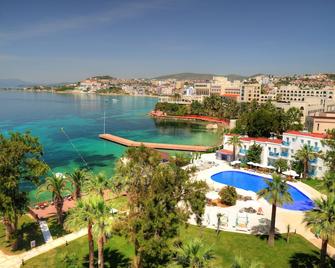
[230, 95]
[224, 151]
[306, 134]
[277, 141]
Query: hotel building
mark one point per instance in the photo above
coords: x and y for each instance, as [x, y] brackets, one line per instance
[284, 148]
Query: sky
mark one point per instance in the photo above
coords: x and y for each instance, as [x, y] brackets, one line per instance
[69, 40]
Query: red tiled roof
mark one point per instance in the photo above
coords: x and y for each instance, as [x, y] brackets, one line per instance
[230, 95]
[224, 151]
[278, 141]
[307, 134]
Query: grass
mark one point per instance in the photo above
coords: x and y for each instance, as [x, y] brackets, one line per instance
[316, 184]
[29, 230]
[297, 253]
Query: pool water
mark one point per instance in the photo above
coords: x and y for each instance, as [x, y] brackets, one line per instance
[255, 183]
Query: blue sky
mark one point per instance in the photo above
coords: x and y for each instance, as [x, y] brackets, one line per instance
[67, 40]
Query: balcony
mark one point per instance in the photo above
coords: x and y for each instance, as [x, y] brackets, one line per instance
[273, 154]
[284, 154]
[316, 149]
[312, 173]
[243, 151]
[314, 161]
[285, 143]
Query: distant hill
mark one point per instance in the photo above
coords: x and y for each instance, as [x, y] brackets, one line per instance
[14, 83]
[198, 76]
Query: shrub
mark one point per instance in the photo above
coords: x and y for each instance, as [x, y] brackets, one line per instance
[228, 195]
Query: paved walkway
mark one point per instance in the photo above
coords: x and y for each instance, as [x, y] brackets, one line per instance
[15, 261]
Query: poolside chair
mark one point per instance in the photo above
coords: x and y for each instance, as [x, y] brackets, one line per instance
[242, 223]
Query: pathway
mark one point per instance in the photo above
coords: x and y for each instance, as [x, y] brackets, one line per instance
[45, 231]
[15, 261]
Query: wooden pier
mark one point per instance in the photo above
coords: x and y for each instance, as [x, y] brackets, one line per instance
[164, 146]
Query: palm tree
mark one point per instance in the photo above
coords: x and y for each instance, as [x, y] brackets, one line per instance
[77, 179]
[276, 193]
[103, 225]
[79, 217]
[240, 262]
[57, 186]
[329, 182]
[92, 211]
[235, 141]
[305, 154]
[322, 222]
[194, 254]
[97, 184]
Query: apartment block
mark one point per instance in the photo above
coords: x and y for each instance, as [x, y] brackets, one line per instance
[284, 148]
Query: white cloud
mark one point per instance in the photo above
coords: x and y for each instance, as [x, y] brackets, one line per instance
[113, 15]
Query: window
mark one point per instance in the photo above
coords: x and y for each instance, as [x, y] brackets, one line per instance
[309, 142]
[302, 141]
[318, 127]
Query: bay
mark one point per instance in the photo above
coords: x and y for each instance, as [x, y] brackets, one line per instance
[68, 126]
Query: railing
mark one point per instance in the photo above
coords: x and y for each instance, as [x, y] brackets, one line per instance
[273, 154]
[285, 154]
[314, 161]
[316, 149]
[285, 143]
[243, 151]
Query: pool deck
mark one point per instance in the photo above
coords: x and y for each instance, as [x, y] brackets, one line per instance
[285, 217]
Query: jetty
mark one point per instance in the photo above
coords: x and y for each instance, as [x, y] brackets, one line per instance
[163, 146]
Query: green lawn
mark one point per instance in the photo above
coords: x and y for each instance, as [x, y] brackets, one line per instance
[297, 253]
[316, 184]
[29, 230]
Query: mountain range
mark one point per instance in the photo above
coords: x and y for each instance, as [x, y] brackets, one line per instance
[14, 83]
[199, 76]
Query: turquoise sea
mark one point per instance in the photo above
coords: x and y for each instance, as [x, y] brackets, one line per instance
[81, 116]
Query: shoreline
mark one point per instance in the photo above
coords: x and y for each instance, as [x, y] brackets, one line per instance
[75, 92]
[161, 115]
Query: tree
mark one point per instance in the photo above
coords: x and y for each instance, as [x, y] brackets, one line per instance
[281, 165]
[20, 161]
[305, 154]
[293, 119]
[329, 182]
[240, 262]
[276, 193]
[161, 197]
[235, 141]
[228, 195]
[254, 153]
[329, 155]
[97, 184]
[102, 224]
[322, 222]
[194, 254]
[57, 186]
[77, 179]
[95, 214]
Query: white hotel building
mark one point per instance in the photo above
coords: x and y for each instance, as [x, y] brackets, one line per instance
[285, 148]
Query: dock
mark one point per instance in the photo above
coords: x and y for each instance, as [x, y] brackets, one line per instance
[163, 146]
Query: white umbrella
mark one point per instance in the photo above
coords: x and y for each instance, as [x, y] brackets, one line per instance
[271, 167]
[59, 175]
[290, 173]
[251, 163]
[113, 211]
[212, 195]
[257, 165]
[236, 162]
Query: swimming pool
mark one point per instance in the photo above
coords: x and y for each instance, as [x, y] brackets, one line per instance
[252, 182]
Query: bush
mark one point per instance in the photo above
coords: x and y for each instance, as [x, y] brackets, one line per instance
[228, 195]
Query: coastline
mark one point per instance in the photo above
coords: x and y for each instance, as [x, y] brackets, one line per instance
[76, 92]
